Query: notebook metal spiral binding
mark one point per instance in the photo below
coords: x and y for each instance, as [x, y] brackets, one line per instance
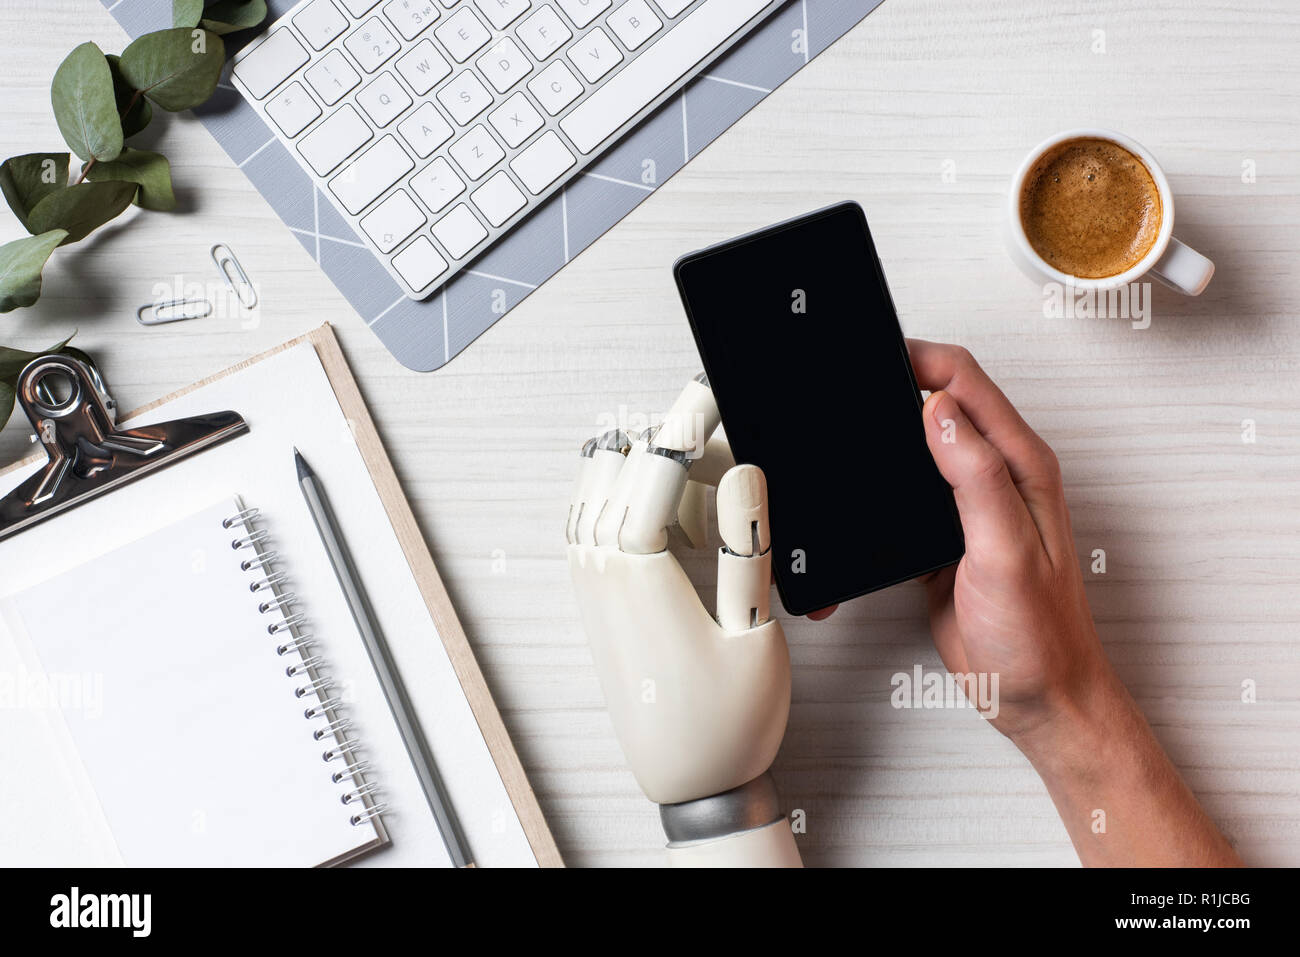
[306, 668]
[270, 581]
[324, 706]
[296, 620]
[262, 561]
[299, 645]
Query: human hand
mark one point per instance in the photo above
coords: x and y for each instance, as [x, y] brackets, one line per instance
[1015, 606]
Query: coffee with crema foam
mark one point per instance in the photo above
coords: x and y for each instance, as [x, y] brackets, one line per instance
[1090, 208]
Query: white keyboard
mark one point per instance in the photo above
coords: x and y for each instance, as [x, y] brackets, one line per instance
[435, 126]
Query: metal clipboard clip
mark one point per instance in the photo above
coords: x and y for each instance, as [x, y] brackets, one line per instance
[75, 419]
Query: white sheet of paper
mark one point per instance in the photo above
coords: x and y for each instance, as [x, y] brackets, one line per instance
[180, 710]
[287, 401]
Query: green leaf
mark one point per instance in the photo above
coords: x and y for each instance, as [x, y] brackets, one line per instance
[13, 361]
[26, 180]
[186, 13]
[231, 16]
[178, 68]
[141, 113]
[7, 395]
[223, 16]
[82, 95]
[150, 170]
[21, 262]
[81, 209]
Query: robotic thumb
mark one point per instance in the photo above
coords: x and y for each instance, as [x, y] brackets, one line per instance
[745, 560]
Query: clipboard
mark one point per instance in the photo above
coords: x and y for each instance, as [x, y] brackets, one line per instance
[417, 556]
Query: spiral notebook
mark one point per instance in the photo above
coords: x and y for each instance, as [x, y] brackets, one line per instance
[181, 681]
[191, 705]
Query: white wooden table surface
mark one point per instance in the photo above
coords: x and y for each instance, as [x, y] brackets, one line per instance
[921, 114]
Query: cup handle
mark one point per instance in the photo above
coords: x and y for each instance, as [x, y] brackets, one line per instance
[1183, 269]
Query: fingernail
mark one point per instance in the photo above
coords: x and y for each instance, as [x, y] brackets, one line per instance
[937, 405]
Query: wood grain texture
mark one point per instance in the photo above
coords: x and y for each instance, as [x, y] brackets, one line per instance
[1202, 588]
[435, 597]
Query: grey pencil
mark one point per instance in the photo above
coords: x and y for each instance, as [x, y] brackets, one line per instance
[398, 702]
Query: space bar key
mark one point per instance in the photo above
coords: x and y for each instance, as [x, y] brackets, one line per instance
[670, 58]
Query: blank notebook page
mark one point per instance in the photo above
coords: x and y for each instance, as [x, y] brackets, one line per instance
[196, 745]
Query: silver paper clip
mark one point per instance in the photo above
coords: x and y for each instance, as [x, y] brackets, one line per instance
[232, 272]
[158, 313]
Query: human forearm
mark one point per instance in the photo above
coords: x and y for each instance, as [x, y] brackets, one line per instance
[1122, 801]
[1016, 607]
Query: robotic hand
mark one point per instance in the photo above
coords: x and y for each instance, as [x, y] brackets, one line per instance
[699, 705]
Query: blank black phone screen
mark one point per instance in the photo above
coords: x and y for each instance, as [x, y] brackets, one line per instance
[803, 349]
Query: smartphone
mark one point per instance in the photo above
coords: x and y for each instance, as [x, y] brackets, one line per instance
[802, 347]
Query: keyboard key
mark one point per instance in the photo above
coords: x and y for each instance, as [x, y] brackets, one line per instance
[364, 179]
[320, 22]
[498, 199]
[270, 63]
[502, 13]
[476, 152]
[410, 17]
[595, 55]
[437, 184]
[384, 100]
[555, 87]
[465, 97]
[542, 163]
[334, 140]
[516, 120]
[372, 45]
[463, 34]
[459, 231]
[392, 221]
[544, 32]
[425, 130]
[292, 109]
[504, 65]
[634, 23]
[332, 77]
[437, 124]
[659, 67]
[582, 12]
[423, 66]
[419, 264]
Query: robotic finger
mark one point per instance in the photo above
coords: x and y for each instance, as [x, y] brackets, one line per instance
[656, 485]
[713, 462]
[707, 470]
[692, 419]
[579, 490]
[745, 562]
[602, 460]
[609, 508]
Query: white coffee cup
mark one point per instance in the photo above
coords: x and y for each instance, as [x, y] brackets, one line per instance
[1173, 263]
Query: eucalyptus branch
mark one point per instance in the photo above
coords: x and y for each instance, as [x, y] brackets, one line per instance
[135, 98]
[100, 101]
[84, 170]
